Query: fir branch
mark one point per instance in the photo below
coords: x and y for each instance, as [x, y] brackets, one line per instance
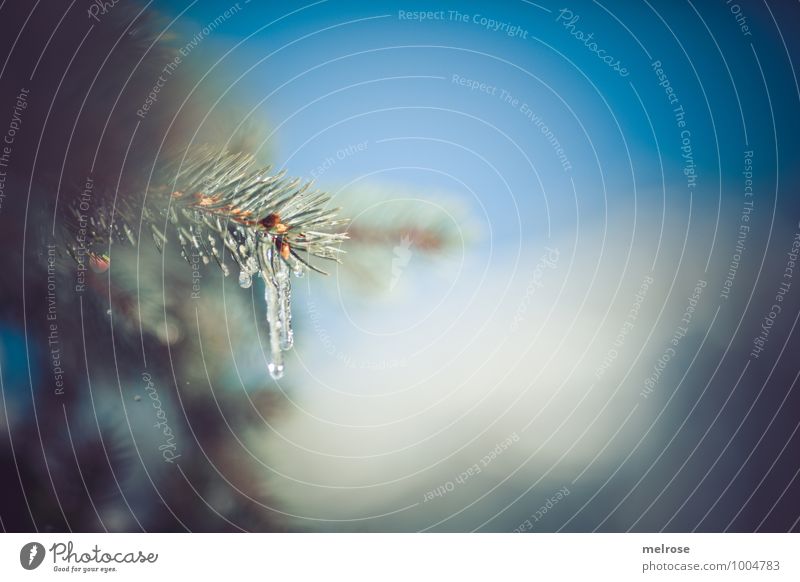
[217, 204]
[213, 199]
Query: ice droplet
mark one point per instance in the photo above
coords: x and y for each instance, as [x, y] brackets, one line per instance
[276, 371]
[245, 279]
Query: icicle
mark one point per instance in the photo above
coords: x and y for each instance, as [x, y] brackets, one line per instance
[271, 299]
[284, 287]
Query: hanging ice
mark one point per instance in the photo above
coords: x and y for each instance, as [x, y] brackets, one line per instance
[273, 322]
[284, 285]
[278, 298]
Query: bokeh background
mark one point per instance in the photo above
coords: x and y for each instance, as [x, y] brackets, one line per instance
[568, 302]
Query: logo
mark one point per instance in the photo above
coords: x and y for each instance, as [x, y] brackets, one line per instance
[31, 555]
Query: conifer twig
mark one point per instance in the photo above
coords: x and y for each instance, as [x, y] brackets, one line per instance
[218, 205]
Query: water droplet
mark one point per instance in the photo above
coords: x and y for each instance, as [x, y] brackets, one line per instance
[245, 279]
[276, 371]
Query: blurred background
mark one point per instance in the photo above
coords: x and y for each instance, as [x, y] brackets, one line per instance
[568, 301]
